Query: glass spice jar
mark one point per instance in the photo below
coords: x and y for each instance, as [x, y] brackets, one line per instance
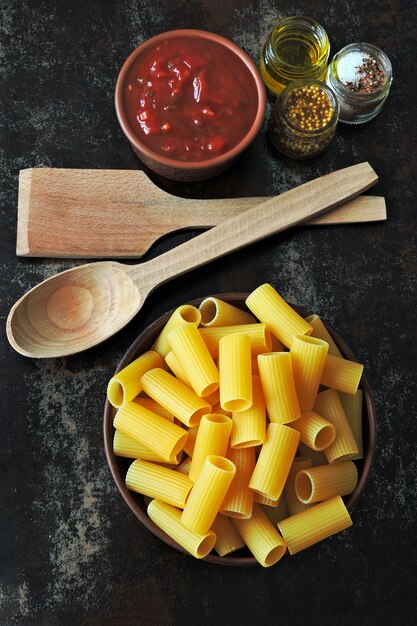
[360, 75]
[303, 119]
[297, 47]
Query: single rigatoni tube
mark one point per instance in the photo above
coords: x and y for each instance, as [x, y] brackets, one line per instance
[154, 406]
[320, 331]
[259, 335]
[261, 537]
[278, 386]
[235, 372]
[126, 385]
[123, 445]
[352, 406]
[294, 505]
[318, 522]
[154, 431]
[216, 312]
[184, 314]
[156, 481]
[271, 309]
[274, 461]
[176, 367]
[344, 447]
[168, 519]
[315, 431]
[228, 539]
[198, 364]
[308, 356]
[249, 427]
[317, 456]
[212, 439]
[239, 498]
[316, 484]
[341, 374]
[208, 492]
[175, 396]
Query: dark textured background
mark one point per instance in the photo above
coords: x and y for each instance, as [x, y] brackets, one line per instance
[71, 551]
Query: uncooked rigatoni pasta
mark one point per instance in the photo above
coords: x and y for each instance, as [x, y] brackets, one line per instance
[275, 370]
[308, 356]
[168, 519]
[154, 431]
[315, 484]
[216, 312]
[175, 396]
[199, 367]
[157, 481]
[249, 427]
[184, 314]
[261, 537]
[125, 385]
[344, 446]
[315, 431]
[318, 522]
[274, 461]
[176, 367]
[154, 406]
[259, 335]
[294, 505]
[123, 445]
[235, 371]
[212, 438]
[321, 332]
[208, 492]
[341, 374]
[228, 539]
[234, 466]
[352, 406]
[238, 501]
[281, 319]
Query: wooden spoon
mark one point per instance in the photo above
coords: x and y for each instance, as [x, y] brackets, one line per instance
[83, 306]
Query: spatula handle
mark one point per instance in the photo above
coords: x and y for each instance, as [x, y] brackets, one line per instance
[273, 216]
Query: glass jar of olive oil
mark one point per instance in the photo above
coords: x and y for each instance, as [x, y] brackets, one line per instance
[297, 47]
[303, 119]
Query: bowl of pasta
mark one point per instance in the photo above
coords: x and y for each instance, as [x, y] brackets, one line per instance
[239, 428]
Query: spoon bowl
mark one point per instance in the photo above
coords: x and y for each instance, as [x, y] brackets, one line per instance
[73, 310]
[81, 307]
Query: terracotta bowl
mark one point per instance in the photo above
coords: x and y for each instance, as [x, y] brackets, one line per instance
[118, 465]
[190, 170]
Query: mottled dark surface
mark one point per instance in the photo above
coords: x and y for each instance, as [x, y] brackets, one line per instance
[71, 551]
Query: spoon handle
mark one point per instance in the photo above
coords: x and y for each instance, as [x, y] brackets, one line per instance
[273, 216]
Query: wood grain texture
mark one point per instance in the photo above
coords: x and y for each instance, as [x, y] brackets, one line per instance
[83, 306]
[83, 213]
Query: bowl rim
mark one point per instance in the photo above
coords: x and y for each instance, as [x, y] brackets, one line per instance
[108, 430]
[178, 163]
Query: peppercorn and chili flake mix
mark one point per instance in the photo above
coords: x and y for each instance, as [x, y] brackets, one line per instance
[370, 77]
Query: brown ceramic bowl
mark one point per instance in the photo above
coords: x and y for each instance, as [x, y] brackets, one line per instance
[192, 170]
[118, 465]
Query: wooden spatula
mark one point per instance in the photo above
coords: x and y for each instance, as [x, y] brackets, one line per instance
[120, 213]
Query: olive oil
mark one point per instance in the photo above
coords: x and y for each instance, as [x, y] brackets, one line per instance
[297, 47]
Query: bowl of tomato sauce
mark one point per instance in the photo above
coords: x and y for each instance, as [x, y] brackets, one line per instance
[189, 102]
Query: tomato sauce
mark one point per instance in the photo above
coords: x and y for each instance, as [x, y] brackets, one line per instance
[190, 98]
